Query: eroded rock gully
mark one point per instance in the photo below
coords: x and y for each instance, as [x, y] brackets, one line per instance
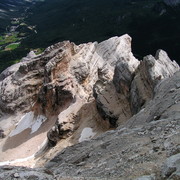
[70, 94]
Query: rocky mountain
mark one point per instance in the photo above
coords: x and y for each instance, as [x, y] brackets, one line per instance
[35, 25]
[90, 111]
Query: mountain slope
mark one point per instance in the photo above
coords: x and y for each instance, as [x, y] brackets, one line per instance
[70, 94]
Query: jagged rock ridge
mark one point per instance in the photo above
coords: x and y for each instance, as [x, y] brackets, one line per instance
[71, 93]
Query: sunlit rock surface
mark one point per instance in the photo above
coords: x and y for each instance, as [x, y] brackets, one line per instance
[70, 95]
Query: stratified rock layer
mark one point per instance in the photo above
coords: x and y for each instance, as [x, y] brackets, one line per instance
[70, 94]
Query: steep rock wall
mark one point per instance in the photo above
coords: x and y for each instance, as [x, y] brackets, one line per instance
[72, 93]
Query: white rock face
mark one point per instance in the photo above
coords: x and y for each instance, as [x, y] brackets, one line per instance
[29, 56]
[71, 93]
[53, 89]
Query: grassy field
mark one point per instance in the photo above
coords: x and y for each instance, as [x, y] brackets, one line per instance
[6, 39]
[12, 46]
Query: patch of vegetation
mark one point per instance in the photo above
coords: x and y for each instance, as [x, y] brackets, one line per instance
[22, 35]
[14, 22]
[12, 46]
[38, 50]
[7, 58]
[15, 61]
[11, 38]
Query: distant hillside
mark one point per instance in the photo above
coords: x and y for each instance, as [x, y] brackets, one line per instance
[10, 9]
[150, 22]
[13, 29]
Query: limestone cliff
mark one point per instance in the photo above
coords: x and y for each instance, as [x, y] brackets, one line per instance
[73, 93]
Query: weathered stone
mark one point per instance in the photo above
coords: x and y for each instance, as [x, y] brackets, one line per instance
[124, 73]
[150, 72]
[71, 95]
[171, 166]
[2, 135]
[16, 175]
[148, 177]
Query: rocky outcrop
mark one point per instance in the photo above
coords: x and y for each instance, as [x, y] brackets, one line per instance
[70, 94]
[171, 167]
[56, 85]
[139, 149]
[12, 173]
[150, 72]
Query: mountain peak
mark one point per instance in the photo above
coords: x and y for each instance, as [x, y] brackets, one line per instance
[113, 110]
